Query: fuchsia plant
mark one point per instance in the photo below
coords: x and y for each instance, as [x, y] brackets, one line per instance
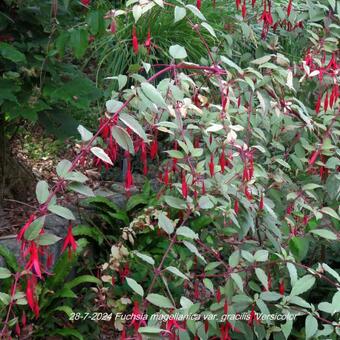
[226, 156]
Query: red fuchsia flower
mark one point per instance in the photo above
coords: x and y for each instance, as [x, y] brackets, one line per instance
[332, 65]
[34, 259]
[314, 157]
[318, 104]
[97, 162]
[325, 103]
[143, 157]
[212, 165]
[282, 287]
[267, 19]
[248, 193]
[253, 2]
[123, 334]
[112, 149]
[134, 40]
[203, 188]
[128, 176]
[184, 186]
[166, 177]
[17, 329]
[238, 4]
[218, 295]
[172, 325]
[154, 149]
[222, 161]
[23, 318]
[244, 9]
[198, 4]
[334, 95]
[147, 43]
[289, 7]
[289, 209]
[85, 2]
[113, 26]
[69, 241]
[253, 317]
[269, 283]
[236, 207]
[30, 295]
[206, 326]
[225, 307]
[305, 219]
[25, 227]
[104, 127]
[224, 329]
[124, 272]
[137, 319]
[261, 204]
[196, 291]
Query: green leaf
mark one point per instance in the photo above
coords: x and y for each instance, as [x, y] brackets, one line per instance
[299, 246]
[101, 154]
[231, 64]
[4, 273]
[150, 330]
[165, 223]
[238, 280]
[11, 53]
[5, 298]
[34, 229]
[112, 105]
[311, 326]
[133, 124]
[61, 211]
[287, 328]
[9, 258]
[137, 288]
[327, 234]
[187, 232]
[63, 167]
[270, 296]
[302, 285]
[93, 232]
[153, 95]
[177, 272]
[41, 191]
[209, 29]
[76, 176]
[159, 301]
[175, 202]
[178, 52]
[68, 333]
[204, 202]
[261, 255]
[145, 258]
[196, 12]
[262, 276]
[180, 13]
[79, 42]
[136, 200]
[81, 189]
[331, 212]
[47, 239]
[234, 259]
[82, 279]
[85, 134]
[175, 154]
[66, 309]
[194, 250]
[123, 139]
